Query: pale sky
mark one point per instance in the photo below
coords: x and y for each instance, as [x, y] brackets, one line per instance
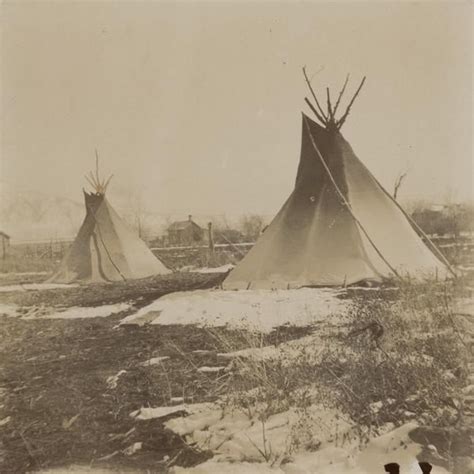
[197, 106]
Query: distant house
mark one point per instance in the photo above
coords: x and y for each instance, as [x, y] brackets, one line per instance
[4, 244]
[185, 233]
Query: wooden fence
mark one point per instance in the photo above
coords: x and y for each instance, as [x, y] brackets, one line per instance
[458, 251]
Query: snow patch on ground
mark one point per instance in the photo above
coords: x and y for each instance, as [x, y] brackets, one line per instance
[20, 274]
[238, 444]
[464, 306]
[216, 467]
[222, 269]
[154, 361]
[8, 310]
[79, 312]
[373, 288]
[206, 369]
[148, 413]
[311, 347]
[36, 287]
[465, 268]
[233, 436]
[112, 381]
[177, 400]
[133, 448]
[75, 312]
[260, 310]
[5, 421]
[255, 353]
[81, 470]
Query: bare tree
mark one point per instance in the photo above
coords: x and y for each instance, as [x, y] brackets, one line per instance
[251, 226]
[398, 183]
[138, 214]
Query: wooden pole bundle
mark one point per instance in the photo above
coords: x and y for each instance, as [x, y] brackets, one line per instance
[341, 94]
[328, 119]
[340, 122]
[321, 117]
[99, 186]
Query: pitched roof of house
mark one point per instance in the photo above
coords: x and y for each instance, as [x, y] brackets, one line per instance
[181, 225]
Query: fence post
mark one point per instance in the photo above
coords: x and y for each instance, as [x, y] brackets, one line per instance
[211, 243]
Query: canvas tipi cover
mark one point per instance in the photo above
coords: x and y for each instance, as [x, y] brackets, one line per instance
[106, 249]
[338, 227]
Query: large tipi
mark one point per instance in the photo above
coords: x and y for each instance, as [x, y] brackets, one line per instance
[339, 226]
[106, 249]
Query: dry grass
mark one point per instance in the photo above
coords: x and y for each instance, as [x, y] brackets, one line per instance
[53, 380]
[399, 356]
[16, 262]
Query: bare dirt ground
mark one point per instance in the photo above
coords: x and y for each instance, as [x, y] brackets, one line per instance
[140, 292]
[53, 371]
[54, 375]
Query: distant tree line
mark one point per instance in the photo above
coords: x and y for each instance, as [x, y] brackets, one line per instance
[449, 220]
[248, 229]
[453, 220]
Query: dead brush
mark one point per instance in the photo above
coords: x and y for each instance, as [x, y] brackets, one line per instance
[262, 387]
[400, 358]
[17, 262]
[410, 367]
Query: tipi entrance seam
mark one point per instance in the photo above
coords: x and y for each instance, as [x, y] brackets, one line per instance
[98, 257]
[363, 256]
[107, 250]
[345, 202]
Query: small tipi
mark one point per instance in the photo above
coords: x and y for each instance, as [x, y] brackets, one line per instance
[339, 226]
[106, 249]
